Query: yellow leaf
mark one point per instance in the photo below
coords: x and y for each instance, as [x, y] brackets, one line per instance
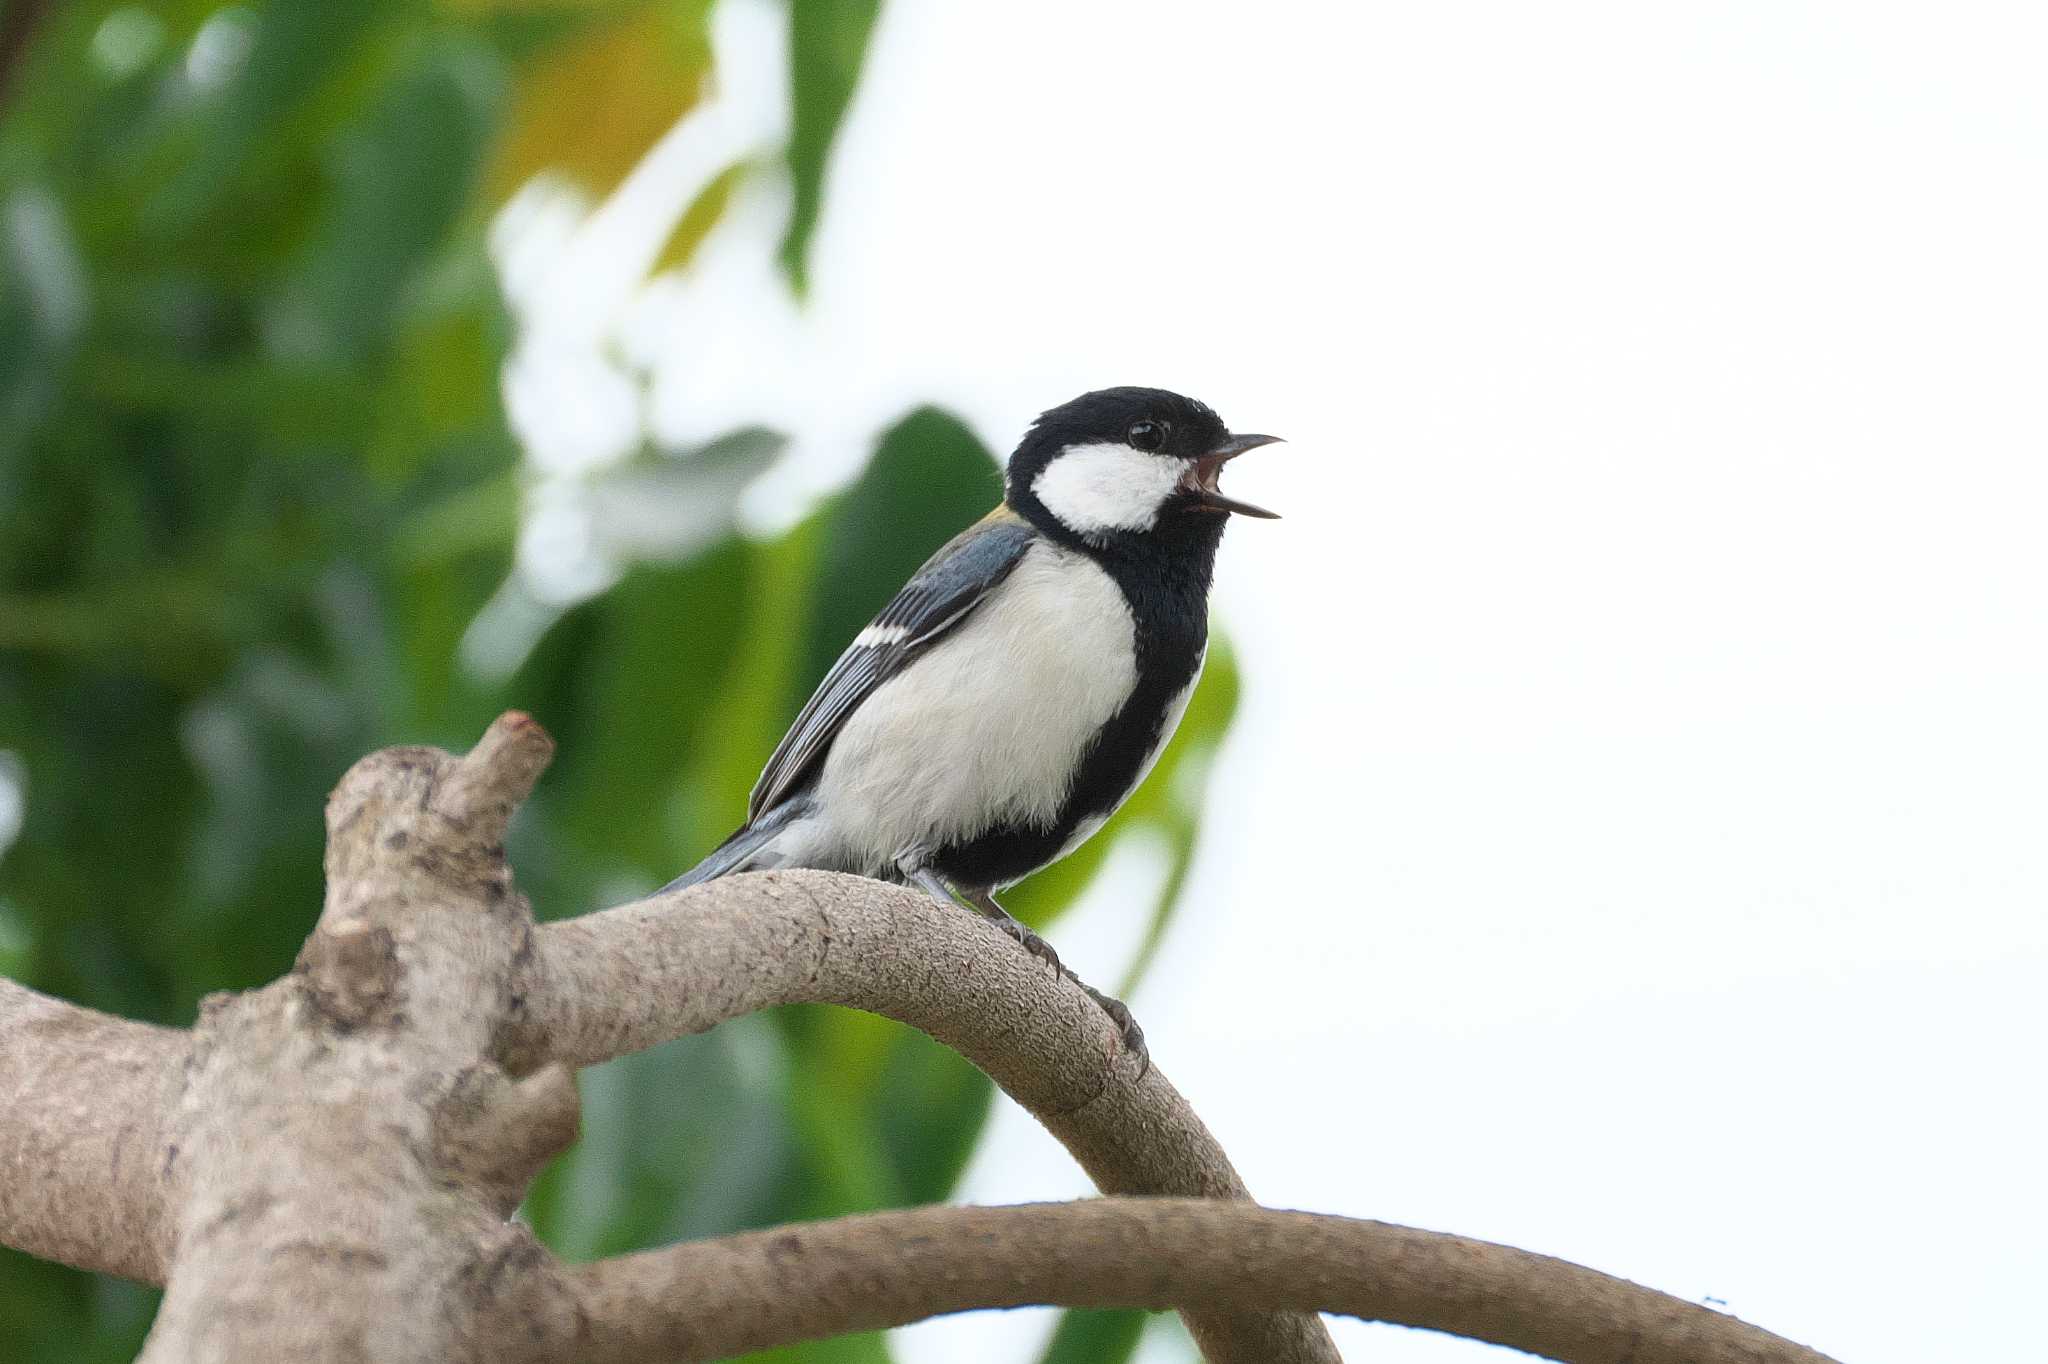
[699, 218]
[591, 108]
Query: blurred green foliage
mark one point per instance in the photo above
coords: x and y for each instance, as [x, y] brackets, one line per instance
[257, 489]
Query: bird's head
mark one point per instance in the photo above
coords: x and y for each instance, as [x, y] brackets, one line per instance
[1128, 463]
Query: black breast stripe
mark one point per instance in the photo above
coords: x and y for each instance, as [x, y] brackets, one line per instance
[1168, 600]
[938, 596]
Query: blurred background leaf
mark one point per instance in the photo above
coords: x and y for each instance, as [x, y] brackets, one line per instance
[1095, 1337]
[828, 41]
[590, 104]
[267, 502]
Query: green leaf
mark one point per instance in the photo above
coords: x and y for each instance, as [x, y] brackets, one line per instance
[296, 404]
[1091, 1337]
[294, 55]
[661, 643]
[682, 1141]
[439, 419]
[745, 721]
[482, 516]
[43, 303]
[402, 175]
[49, 1312]
[929, 1109]
[828, 41]
[700, 217]
[867, 1348]
[929, 479]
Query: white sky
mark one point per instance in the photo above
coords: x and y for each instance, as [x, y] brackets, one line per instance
[1632, 844]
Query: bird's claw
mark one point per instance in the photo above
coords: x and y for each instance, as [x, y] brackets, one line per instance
[1036, 946]
[1127, 1027]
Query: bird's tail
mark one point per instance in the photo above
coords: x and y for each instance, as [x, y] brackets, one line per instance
[737, 853]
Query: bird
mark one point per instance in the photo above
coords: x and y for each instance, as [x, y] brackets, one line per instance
[1017, 689]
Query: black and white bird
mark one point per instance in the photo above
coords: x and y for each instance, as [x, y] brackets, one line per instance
[1022, 683]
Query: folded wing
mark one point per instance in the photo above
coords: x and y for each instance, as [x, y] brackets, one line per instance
[938, 597]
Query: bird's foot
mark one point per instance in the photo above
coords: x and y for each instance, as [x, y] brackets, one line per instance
[1119, 1013]
[1127, 1026]
[984, 903]
[1035, 945]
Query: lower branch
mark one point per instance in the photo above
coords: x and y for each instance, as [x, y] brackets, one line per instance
[680, 963]
[711, 1299]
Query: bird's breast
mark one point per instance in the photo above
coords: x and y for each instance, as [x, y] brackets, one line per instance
[990, 727]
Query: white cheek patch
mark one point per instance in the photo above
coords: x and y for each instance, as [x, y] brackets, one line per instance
[1096, 488]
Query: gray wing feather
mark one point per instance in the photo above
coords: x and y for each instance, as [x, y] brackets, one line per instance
[938, 596]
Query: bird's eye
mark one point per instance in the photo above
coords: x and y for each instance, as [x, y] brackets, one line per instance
[1146, 435]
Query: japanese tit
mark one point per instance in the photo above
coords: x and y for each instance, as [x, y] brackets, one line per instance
[1022, 683]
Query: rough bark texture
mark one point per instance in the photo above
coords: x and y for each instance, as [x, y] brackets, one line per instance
[322, 1169]
[82, 1104]
[338, 1139]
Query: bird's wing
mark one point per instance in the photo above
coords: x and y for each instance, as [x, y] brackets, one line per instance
[938, 597]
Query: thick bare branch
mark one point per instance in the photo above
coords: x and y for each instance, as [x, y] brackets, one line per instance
[628, 978]
[322, 1168]
[820, 1279]
[346, 1142]
[82, 1103]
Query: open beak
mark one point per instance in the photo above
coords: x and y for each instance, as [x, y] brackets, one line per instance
[1202, 475]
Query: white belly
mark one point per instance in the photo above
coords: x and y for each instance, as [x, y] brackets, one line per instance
[989, 726]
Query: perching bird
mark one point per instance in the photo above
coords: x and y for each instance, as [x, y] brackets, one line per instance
[1023, 682]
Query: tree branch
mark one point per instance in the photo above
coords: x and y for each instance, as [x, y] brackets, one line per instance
[16, 29]
[795, 1283]
[83, 1097]
[322, 1169]
[346, 1144]
[630, 977]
